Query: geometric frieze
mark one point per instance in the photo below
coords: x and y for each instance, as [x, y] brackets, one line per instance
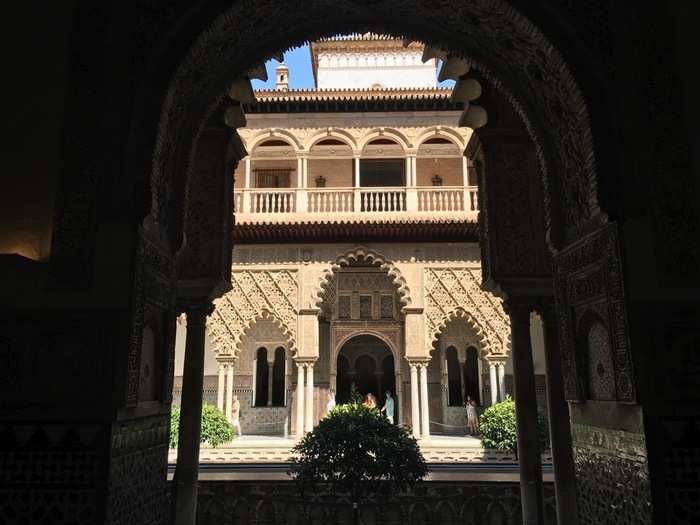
[256, 294]
[452, 293]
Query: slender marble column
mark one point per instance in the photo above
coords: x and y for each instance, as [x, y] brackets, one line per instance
[220, 388]
[501, 381]
[424, 407]
[559, 426]
[270, 374]
[526, 414]
[309, 411]
[187, 469]
[229, 389]
[494, 383]
[415, 407]
[300, 399]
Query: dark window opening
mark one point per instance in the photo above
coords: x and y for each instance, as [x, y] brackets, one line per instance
[453, 378]
[382, 172]
[278, 380]
[261, 377]
[471, 379]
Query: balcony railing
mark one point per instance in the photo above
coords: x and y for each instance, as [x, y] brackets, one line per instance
[376, 200]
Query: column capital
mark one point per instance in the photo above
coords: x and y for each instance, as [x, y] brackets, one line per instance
[519, 307]
[196, 312]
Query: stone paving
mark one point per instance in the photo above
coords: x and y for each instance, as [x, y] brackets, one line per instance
[266, 449]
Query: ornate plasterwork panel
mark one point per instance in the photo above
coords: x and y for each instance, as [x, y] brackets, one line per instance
[256, 294]
[456, 292]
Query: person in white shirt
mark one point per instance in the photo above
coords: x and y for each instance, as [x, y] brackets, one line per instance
[330, 404]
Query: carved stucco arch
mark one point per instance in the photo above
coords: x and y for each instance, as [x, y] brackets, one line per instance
[231, 345]
[354, 254]
[274, 133]
[509, 51]
[395, 352]
[488, 342]
[443, 133]
[334, 133]
[388, 133]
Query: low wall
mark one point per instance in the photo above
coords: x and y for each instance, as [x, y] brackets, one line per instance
[430, 503]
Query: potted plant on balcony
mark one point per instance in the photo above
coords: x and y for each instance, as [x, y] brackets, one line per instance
[357, 451]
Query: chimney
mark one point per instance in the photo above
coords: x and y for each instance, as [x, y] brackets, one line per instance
[282, 78]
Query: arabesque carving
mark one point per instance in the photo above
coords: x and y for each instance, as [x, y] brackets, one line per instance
[256, 294]
[362, 252]
[452, 293]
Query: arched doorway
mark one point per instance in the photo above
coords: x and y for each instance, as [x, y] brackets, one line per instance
[366, 362]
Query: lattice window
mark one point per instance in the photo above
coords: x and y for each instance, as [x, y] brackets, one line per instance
[387, 307]
[365, 307]
[272, 177]
[344, 307]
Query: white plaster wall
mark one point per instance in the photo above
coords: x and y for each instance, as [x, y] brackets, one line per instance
[366, 70]
[537, 338]
[210, 366]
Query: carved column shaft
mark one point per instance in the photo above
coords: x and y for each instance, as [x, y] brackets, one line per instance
[187, 469]
[501, 381]
[494, 383]
[415, 410]
[529, 455]
[300, 400]
[270, 378]
[424, 408]
[309, 410]
[220, 388]
[229, 389]
[559, 426]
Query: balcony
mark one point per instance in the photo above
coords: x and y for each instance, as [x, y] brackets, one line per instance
[356, 204]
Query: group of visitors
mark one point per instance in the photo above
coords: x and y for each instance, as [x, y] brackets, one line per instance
[369, 401]
[472, 418]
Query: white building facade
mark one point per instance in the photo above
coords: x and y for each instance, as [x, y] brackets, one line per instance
[356, 261]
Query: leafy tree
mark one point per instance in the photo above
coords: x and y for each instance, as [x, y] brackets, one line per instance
[355, 396]
[355, 450]
[216, 429]
[497, 426]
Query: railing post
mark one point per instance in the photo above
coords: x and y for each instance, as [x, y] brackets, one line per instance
[357, 200]
[301, 201]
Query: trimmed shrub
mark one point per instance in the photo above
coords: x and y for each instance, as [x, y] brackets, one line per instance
[357, 451]
[497, 426]
[216, 430]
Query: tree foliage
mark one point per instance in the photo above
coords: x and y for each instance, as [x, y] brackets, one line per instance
[216, 430]
[355, 450]
[497, 426]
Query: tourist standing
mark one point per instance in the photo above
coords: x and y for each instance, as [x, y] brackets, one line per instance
[236, 415]
[472, 419]
[370, 401]
[388, 407]
[330, 404]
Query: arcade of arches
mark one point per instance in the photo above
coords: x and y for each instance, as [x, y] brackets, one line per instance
[588, 215]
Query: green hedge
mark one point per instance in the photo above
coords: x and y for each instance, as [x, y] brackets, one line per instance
[216, 430]
[498, 427]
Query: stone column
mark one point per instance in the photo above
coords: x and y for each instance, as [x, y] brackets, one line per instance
[220, 388]
[424, 407]
[300, 400]
[415, 407]
[187, 469]
[529, 455]
[411, 191]
[270, 376]
[300, 173]
[357, 196]
[501, 381]
[559, 426]
[466, 196]
[309, 410]
[494, 383]
[462, 361]
[229, 389]
[246, 186]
